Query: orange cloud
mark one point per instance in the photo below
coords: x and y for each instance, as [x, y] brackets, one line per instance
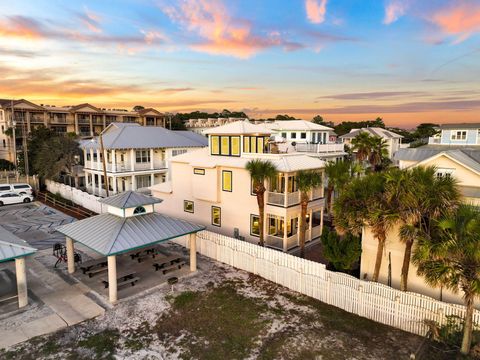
[20, 27]
[462, 20]
[316, 10]
[219, 32]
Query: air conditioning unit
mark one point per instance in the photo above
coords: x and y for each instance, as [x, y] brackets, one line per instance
[236, 233]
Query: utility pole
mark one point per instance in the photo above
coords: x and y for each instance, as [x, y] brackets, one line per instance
[104, 165]
[14, 128]
[25, 147]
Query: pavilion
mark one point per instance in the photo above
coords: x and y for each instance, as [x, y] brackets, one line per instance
[129, 224]
[14, 248]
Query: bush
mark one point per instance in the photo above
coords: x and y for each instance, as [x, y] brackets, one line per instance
[6, 165]
[341, 252]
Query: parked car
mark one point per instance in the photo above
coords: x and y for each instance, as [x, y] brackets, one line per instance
[22, 189]
[14, 198]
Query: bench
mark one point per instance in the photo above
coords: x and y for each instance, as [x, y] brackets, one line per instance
[88, 265]
[93, 272]
[143, 253]
[145, 257]
[166, 262]
[173, 267]
[127, 278]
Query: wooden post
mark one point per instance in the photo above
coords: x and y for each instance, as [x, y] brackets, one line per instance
[193, 252]
[21, 274]
[70, 256]
[112, 278]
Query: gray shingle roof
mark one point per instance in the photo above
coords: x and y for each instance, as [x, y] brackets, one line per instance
[108, 234]
[135, 136]
[129, 199]
[12, 247]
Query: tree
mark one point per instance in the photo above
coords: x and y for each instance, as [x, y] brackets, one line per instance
[420, 197]
[261, 170]
[56, 156]
[363, 202]
[346, 126]
[341, 252]
[362, 145]
[307, 180]
[138, 108]
[378, 152]
[284, 117]
[425, 130]
[318, 120]
[451, 258]
[338, 174]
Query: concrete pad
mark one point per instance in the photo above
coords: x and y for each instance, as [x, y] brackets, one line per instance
[12, 337]
[43, 326]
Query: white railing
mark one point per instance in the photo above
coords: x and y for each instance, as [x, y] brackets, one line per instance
[316, 232]
[275, 198]
[434, 140]
[319, 148]
[404, 310]
[317, 193]
[124, 167]
[293, 198]
[292, 241]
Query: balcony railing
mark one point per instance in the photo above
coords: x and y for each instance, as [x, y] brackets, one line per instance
[319, 148]
[281, 199]
[125, 167]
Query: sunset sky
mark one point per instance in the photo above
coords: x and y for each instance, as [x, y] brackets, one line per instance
[407, 61]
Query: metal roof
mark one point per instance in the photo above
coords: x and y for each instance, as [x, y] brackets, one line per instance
[296, 125]
[108, 234]
[239, 128]
[470, 156]
[12, 247]
[129, 199]
[135, 136]
[460, 126]
[375, 131]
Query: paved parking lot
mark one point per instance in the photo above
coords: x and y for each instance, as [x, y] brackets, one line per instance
[34, 223]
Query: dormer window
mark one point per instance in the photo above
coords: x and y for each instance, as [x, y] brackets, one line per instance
[139, 210]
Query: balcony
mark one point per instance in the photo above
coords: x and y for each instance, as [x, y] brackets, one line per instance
[277, 242]
[291, 199]
[126, 167]
[58, 120]
[320, 148]
[36, 119]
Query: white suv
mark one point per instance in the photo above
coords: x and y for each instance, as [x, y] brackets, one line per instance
[8, 198]
[22, 189]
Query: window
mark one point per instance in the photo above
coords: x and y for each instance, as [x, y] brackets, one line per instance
[459, 135]
[254, 225]
[275, 226]
[4, 143]
[188, 206]
[235, 145]
[442, 172]
[246, 144]
[303, 135]
[215, 145]
[88, 156]
[139, 210]
[284, 135]
[293, 135]
[143, 181]
[216, 216]
[316, 218]
[198, 171]
[260, 144]
[5, 188]
[224, 145]
[254, 144]
[227, 180]
[178, 152]
[22, 186]
[142, 156]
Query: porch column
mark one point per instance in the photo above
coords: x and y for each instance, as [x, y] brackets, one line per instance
[45, 119]
[114, 184]
[193, 252]
[104, 121]
[112, 278]
[114, 160]
[90, 120]
[152, 179]
[29, 124]
[151, 159]
[132, 159]
[93, 183]
[285, 234]
[285, 198]
[99, 164]
[70, 256]
[75, 119]
[21, 275]
[85, 157]
[321, 221]
[134, 183]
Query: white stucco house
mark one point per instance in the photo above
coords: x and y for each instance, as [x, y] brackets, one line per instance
[393, 140]
[211, 187]
[137, 157]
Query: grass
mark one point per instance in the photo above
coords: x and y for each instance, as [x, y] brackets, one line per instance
[103, 344]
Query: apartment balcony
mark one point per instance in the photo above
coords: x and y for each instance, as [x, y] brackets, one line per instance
[84, 121]
[291, 199]
[125, 167]
[84, 133]
[36, 119]
[320, 148]
[57, 120]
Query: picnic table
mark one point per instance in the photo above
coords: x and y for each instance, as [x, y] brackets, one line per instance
[122, 279]
[143, 254]
[169, 263]
[87, 266]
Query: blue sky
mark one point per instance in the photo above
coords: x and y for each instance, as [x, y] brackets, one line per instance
[404, 60]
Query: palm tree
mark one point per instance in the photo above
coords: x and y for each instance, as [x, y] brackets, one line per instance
[378, 151]
[420, 197]
[338, 174]
[362, 203]
[261, 170]
[452, 259]
[362, 145]
[306, 181]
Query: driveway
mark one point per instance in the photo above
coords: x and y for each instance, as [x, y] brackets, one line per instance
[34, 223]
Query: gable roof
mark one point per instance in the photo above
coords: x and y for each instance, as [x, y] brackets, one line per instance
[12, 247]
[134, 136]
[239, 128]
[77, 107]
[460, 126]
[129, 199]
[299, 125]
[375, 131]
[457, 156]
[108, 234]
[193, 136]
[144, 111]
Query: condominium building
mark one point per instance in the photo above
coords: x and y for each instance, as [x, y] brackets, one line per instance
[200, 125]
[137, 157]
[393, 140]
[212, 187]
[85, 120]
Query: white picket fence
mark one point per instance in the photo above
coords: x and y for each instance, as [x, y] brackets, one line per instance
[79, 197]
[378, 302]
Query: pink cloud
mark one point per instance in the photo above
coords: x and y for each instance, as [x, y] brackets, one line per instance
[219, 32]
[461, 20]
[316, 10]
[394, 10]
[20, 27]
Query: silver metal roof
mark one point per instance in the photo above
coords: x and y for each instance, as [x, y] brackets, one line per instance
[375, 131]
[108, 234]
[12, 247]
[129, 199]
[135, 136]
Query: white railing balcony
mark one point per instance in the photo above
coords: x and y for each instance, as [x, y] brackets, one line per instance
[434, 140]
[274, 241]
[293, 198]
[289, 199]
[319, 148]
[317, 193]
[316, 232]
[292, 241]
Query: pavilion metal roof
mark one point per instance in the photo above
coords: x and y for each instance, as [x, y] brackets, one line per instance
[108, 234]
[129, 199]
[12, 247]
